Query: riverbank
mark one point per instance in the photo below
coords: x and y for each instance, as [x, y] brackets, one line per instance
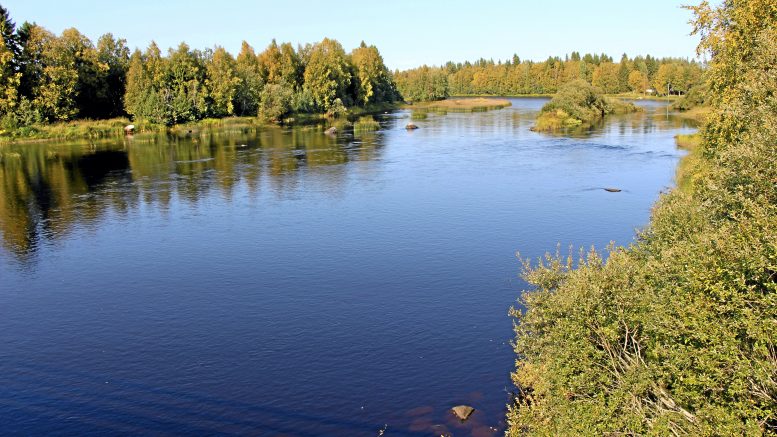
[698, 113]
[625, 96]
[467, 104]
[115, 127]
[675, 334]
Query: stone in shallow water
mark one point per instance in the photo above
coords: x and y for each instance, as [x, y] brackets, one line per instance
[462, 411]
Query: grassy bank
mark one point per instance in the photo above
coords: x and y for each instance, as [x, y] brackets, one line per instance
[692, 165]
[626, 96]
[640, 96]
[488, 96]
[80, 129]
[114, 128]
[674, 335]
[698, 114]
[475, 104]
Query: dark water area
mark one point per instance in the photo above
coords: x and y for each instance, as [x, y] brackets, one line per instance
[285, 282]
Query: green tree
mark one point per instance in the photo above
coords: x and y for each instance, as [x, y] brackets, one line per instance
[291, 68]
[247, 69]
[275, 103]
[270, 64]
[185, 85]
[664, 78]
[638, 81]
[605, 76]
[138, 84]
[222, 82]
[734, 33]
[57, 87]
[147, 94]
[78, 52]
[327, 75]
[373, 80]
[624, 67]
[10, 77]
[113, 57]
[424, 84]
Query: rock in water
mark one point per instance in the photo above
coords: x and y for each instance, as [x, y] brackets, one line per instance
[411, 126]
[331, 131]
[462, 411]
[613, 190]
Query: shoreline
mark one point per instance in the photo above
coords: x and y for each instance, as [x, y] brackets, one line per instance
[86, 129]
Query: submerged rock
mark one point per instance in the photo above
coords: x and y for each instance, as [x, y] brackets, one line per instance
[613, 190]
[462, 411]
[411, 126]
[331, 131]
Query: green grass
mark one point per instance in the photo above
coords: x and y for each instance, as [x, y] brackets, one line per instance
[502, 95]
[698, 113]
[476, 104]
[692, 166]
[114, 128]
[640, 96]
[365, 124]
[688, 142]
[88, 129]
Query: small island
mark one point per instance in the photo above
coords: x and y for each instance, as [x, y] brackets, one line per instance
[579, 104]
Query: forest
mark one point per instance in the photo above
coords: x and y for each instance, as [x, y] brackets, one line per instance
[48, 78]
[523, 77]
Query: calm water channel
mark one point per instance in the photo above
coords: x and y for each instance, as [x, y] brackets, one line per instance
[283, 282]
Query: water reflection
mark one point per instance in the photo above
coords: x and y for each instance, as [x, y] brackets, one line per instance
[48, 188]
[283, 281]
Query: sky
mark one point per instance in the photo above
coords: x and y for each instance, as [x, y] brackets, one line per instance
[407, 33]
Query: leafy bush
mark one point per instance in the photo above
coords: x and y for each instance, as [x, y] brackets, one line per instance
[337, 109]
[275, 102]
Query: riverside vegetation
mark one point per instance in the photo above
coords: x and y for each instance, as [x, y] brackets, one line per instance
[48, 81]
[514, 77]
[578, 104]
[66, 86]
[674, 335]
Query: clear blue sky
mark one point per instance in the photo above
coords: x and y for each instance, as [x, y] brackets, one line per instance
[408, 33]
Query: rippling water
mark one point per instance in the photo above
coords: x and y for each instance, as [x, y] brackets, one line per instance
[283, 282]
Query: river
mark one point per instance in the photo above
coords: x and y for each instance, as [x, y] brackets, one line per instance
[284, 282]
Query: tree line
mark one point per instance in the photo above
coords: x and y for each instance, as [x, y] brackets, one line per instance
[48, 78]
[516, 77]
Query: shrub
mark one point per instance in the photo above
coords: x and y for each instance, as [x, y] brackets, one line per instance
[275, 102]
[674, 335]
[366, 124]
